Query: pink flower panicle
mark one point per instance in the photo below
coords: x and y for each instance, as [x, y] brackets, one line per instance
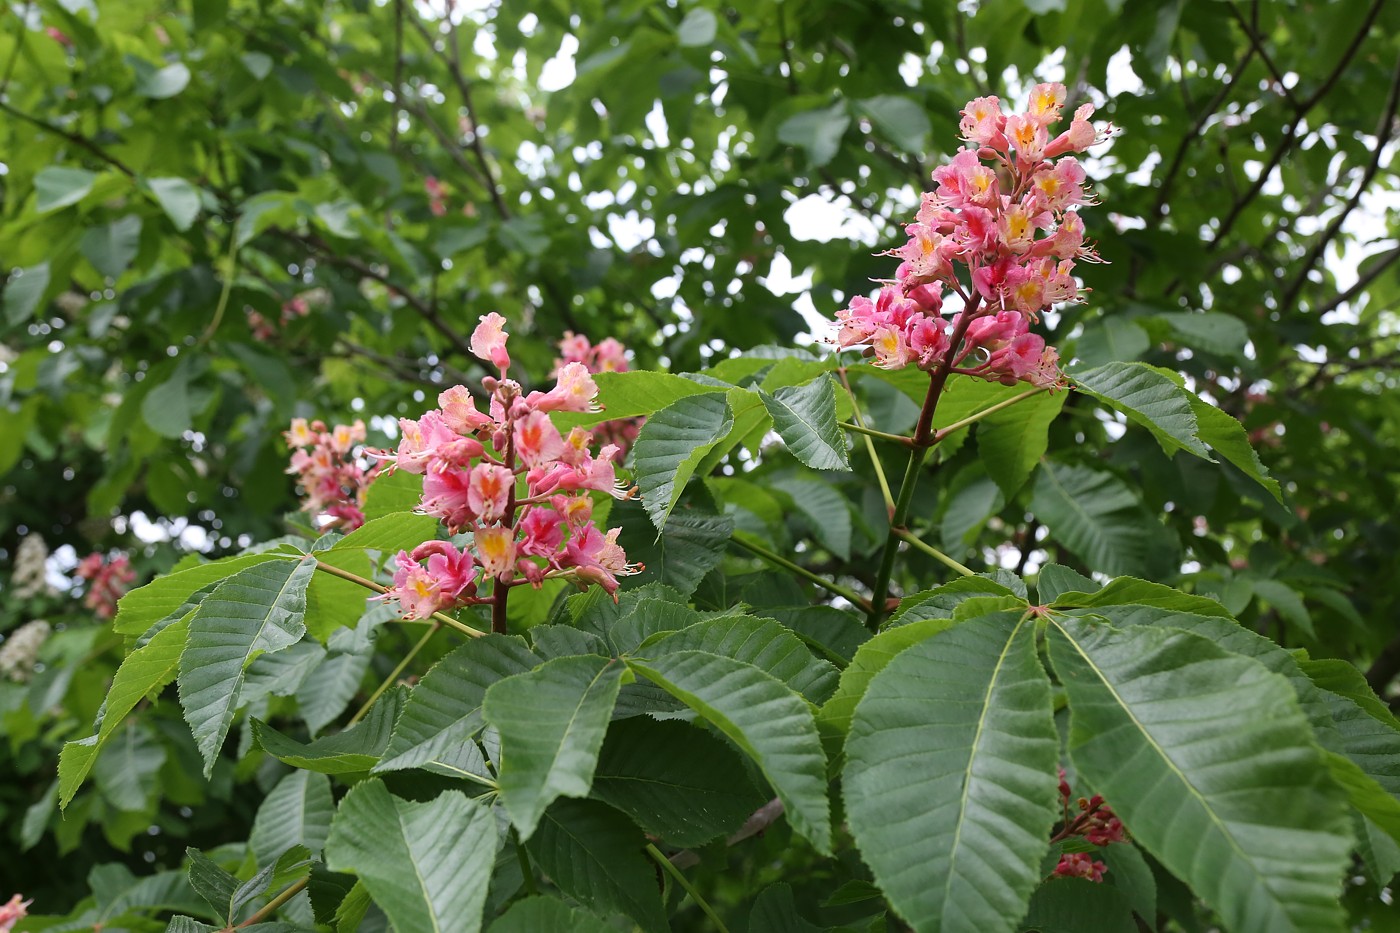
[13, 912]
[507, 478]
[1096, 823]
[1005, 212]
[331, 476]
[107, 581]
[607, 356]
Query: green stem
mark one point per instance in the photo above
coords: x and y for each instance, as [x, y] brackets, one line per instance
[442, 617]
[394, 674]
[871, 432]
[526, 871]
[905, 534]
[685, 884]
[271, 907]
[803, 572]
[899, 516]
[972, 419]
[230, 266]
[869, 445]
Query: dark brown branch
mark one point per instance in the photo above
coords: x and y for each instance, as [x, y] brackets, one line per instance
[424, 309]
[1251, 32]
[1383, 134]
[1371, 274]
[1290, 133]
[75, 138]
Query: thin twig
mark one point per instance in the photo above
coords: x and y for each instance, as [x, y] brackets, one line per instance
[1383, 133]
[777, 560]
[684, 882]
[442, 617]
[904, 534]
[75, 138]
[395, 673]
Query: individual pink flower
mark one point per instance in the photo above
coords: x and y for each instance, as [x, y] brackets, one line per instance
[459, 411]
[495, 547]
[1045, 102]
[488, 491]
[982, 123]
[537, 440]
[488, 341]
[598, 558]
[447, 494]
[574, 391]
[13, 912]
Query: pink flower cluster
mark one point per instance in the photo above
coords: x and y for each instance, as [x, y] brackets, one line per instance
[607, 356]
[1096, 824]
[107, 581]
[508, 478]
[13, 912]
[331, 477]
[1003, 212]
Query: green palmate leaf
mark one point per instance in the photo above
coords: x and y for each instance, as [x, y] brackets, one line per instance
[1100, 519]
[750, 422]
[677, 782]
[872, 657]
[214, 884]
[297, 812]
[771, 723]
[761, 642]
[900, 119]
[427, 865]
[950, 774]
[23, 292]
[648, 617]
[551, 721]
[805, 418]
[818, 132]
[832, 632]
[690, 546]
[332, 602]
[824, 510]
[1209, 330]
[1148, 398]
[329, 686]
[394, 492]
[111, 247]
[1344, 679]
[1073, 905]
[144, 606]
[1053, 581]
[144, 672]
[596, 856]
[775, 911]
[398, 531]
[444, 710]
[125, 772]
[1217, 775]
[357, 749]
[670, 445]
[1011, 442]
[1130, 591]
[547, 915]
[57, 186]
[1227, 437]
[1373, 746]
[256, 610]
[633, 393]
[942, 602]
[178, 198]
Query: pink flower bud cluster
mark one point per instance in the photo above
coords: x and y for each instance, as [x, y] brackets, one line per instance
[331, 477]
[1096, 823]
[107, 581]
[13, 912]
[607, 356]
[292, 308]
[1002, 232]
[508, 478]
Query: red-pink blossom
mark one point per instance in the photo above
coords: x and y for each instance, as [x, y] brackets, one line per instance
[332, 477]
[488, 341]
[108, 580]
[13, 912]
[1080, 865]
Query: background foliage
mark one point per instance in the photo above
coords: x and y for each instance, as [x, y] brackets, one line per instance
[170, 169]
